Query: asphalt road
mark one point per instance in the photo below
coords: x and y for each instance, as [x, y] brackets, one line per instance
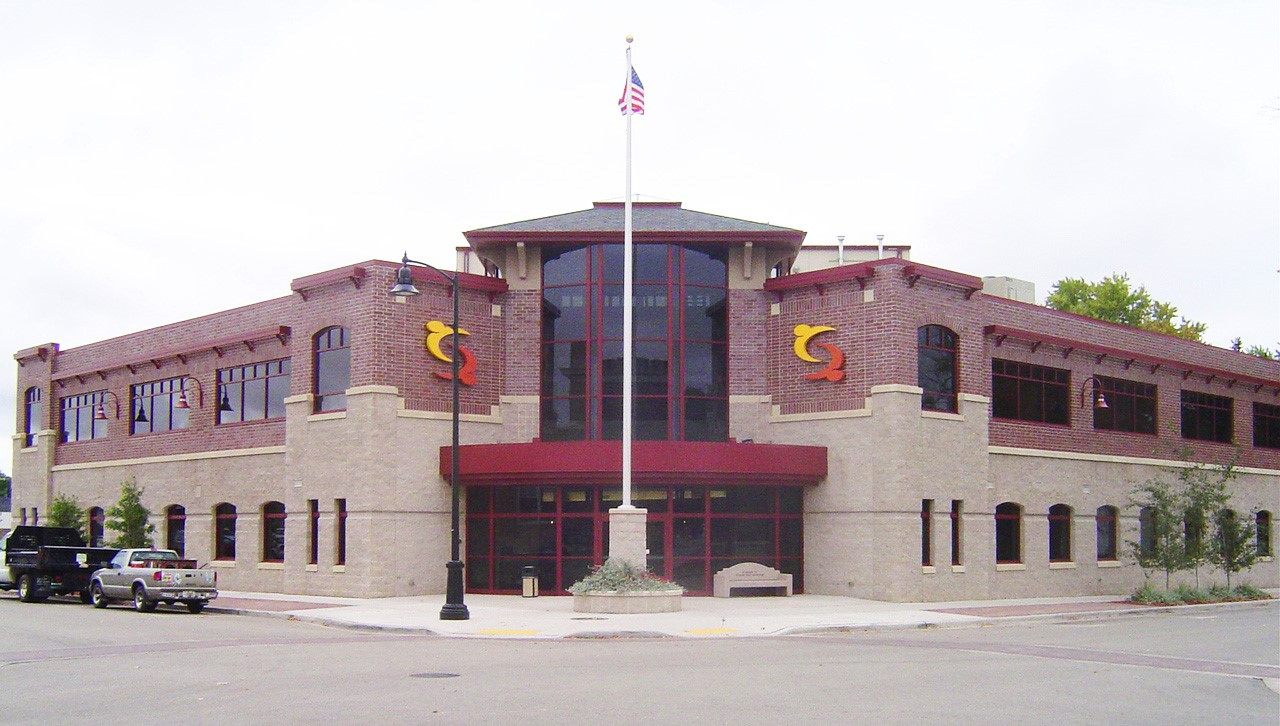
[65, 662]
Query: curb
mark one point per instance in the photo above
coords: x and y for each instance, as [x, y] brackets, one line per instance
[976, 621]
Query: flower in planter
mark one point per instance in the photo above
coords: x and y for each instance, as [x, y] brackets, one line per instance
[622, 576]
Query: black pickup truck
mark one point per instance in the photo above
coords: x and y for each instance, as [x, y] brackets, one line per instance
[43, 561]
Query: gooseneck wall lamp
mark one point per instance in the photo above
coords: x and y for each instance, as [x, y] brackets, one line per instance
[454, 607]
[100, 411]
[182, 394]
[1099, 401]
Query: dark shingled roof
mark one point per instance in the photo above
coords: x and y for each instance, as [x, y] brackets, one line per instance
[645, 217]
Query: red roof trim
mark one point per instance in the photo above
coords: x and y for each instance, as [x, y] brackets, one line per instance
[578, 462]
[862, 271]
[1002, 331]
[248, 338]
[354, 273]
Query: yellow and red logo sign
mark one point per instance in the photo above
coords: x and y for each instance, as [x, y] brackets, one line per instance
[805, 333]
[436, 332]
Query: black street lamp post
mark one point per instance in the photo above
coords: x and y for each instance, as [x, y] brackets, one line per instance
[454, 607]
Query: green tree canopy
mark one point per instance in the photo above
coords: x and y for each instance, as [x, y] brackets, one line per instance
[129, 518]
[5, 483]
[65, 511]
[1115, 300]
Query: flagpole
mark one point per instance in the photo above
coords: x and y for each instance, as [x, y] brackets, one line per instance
[627, 303]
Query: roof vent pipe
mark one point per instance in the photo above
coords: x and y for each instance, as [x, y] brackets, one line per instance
[879, 246]
[840, 248]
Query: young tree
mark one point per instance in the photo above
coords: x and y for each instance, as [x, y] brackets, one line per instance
[1115, 300]
[1159, 546]
[1232, 548]
[5, 483]
[1203, 490]
[65, 511]
[130, 518]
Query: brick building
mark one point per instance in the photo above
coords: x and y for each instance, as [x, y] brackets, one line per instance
[880, 429]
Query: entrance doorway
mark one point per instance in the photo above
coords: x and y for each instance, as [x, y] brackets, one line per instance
[692, 532]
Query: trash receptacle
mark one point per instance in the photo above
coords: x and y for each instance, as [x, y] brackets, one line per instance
[529, 582]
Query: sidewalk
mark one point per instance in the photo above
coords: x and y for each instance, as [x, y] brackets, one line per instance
[511, 616]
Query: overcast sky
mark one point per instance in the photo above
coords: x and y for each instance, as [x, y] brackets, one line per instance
[165, 160]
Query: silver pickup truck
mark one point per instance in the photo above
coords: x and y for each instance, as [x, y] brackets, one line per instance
[150, 577]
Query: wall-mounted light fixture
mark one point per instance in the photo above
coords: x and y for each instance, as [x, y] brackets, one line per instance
[1099, 401]
[182, 401]
[100, 411]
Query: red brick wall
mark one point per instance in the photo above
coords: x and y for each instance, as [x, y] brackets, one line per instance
[879, 340]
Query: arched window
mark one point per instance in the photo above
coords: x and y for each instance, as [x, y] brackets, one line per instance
[936, 356]
[273, 515]
[332, 369]
[1147, 531]
[1059, 533]
[1008, 533]
[175, 532]
[33, 415]
[96, 521]
[1263, 521]
[1107, 535]
[224, 532]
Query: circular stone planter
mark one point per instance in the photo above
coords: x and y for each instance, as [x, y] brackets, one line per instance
[642, 601]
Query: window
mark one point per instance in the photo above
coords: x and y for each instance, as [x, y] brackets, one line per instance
[340, 532]
[153, 406]
[1193, 532]
[224, 532]
[680, 354]
[1206, 417]
[35, 515]
[936, 368]
[253, 392]
[1131, 406]
[1263, 522]
[78, 423]
[1107, 534]
[1059, 533]
[273, 516]
[1147, 531]
[175, 530]
[313, 531]
[1266, 425]
[957, 514]
[96, 521]
[926, 532]
[1225, 522]
[1008, 533]
[1026, 392]
[333, 369]
[33, 415]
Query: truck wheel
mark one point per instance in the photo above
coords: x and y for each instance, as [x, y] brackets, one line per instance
[98, 596]
[194, 607]
[140, 601]
[27, 589]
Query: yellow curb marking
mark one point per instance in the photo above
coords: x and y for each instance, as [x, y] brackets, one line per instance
[507, 632]
[711, 631]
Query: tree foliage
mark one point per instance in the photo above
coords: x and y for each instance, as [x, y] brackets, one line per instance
[1115, 300]
[1261, 351]
[5, 484]
[1180, 508]
[128, 517]
[1234, 539]
[65, 511]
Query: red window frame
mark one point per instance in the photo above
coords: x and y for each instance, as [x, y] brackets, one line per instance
[340, 532]
[331, 347]
[1010, 517]
[273, 531]
[1107, 526]
[33, 409]
[1059, 517]
[931, 341]
[175, 533]
[224, 532]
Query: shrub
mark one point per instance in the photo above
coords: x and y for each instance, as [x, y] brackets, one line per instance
[1245, 591]
[1189, 595]
[621, 576]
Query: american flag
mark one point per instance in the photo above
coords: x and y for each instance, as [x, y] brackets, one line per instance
[635, 92]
